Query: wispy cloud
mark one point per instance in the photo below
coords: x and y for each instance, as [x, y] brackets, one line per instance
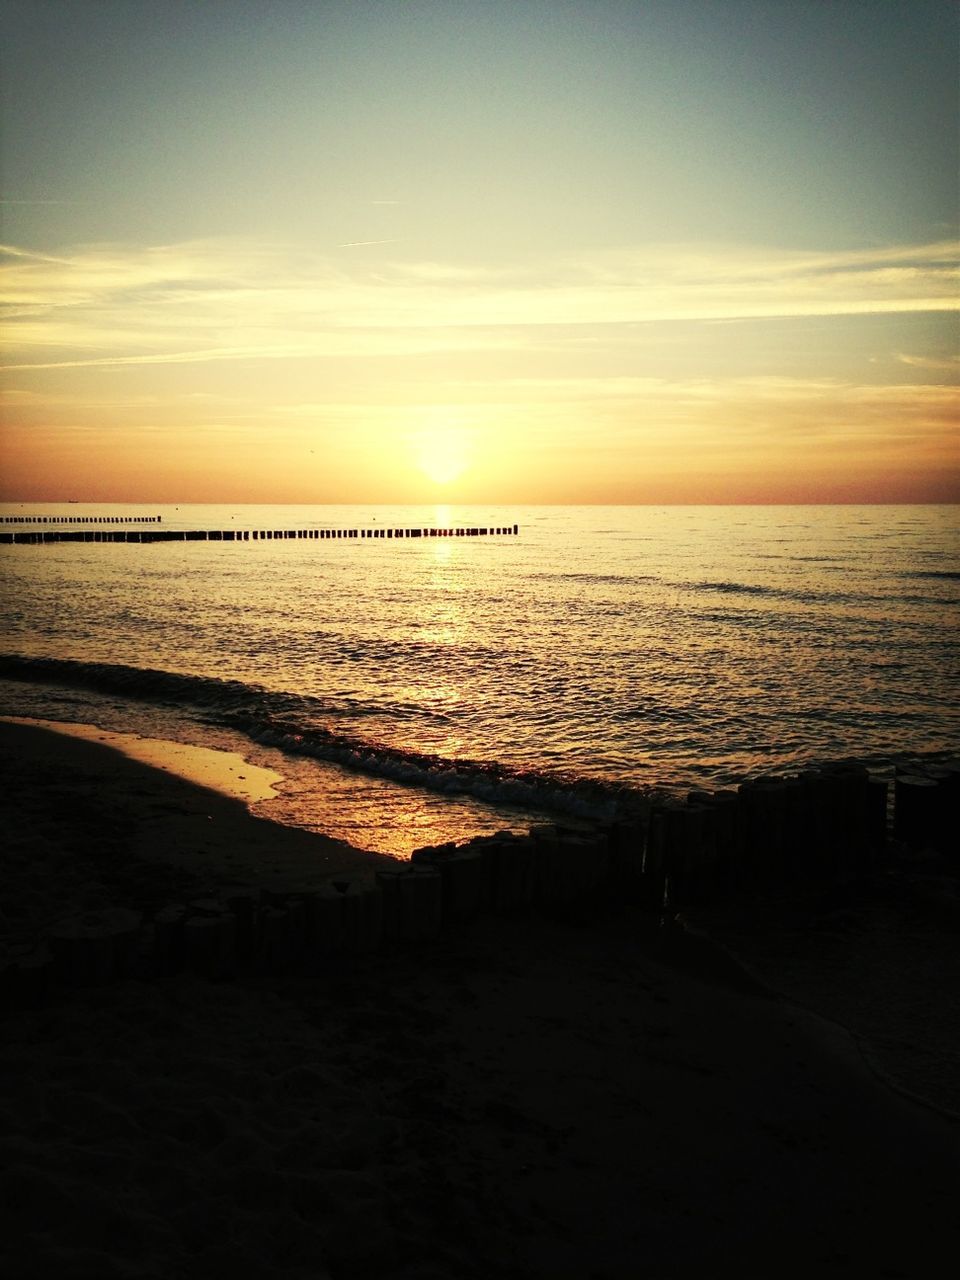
[226, 300]
[350, 244]
[937, 364]
[29, 255]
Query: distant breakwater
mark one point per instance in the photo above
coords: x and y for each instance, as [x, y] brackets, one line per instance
[35, 537]
[80, 519]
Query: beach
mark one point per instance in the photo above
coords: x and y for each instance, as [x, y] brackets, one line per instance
[479, 734]
[524, 1096]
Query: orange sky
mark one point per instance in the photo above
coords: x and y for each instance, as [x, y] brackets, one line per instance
[493, 253]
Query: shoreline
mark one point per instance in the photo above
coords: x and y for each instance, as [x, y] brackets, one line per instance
[522, 1097]
[209, 767]
[482, 776]
[122, 832]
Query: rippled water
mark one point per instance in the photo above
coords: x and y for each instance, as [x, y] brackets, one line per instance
[618, 645]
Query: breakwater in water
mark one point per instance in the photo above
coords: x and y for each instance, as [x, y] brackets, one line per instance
[79, 520]
[34, 537]
[823, 827]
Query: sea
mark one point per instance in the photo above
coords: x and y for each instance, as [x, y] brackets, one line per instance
[412, 691]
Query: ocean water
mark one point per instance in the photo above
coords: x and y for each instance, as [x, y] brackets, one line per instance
[427, 689]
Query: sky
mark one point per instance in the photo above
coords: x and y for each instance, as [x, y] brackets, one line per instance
[618, 251]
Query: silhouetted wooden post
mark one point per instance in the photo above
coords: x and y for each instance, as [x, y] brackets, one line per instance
[915, 802]
[421, 895]
[878, 793]
[461, 872]
[656, 858]
[388, 882]
[168, 938]
[209, 941]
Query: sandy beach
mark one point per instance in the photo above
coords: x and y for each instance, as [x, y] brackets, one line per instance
[525, 1097]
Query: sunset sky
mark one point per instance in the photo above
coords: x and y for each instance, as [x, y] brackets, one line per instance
[534, 251]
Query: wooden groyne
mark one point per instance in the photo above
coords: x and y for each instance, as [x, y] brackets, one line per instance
[35, 537]
[81, 519]
[823, 827]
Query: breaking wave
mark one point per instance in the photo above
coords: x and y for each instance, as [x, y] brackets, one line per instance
[291, 723]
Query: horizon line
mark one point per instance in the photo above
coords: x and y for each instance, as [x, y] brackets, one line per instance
[441, 502]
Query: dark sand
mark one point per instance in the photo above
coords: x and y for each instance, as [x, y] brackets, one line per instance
[526, 1098]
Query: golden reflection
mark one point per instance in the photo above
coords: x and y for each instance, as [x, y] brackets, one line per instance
[378, 814]
[442, 619]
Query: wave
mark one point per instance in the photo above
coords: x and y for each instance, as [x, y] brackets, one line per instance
[143, 682]
[485, 780]
[595, 577]
[769, 592]
[288, 722]
[823, 597]
[732, 588]
[207, 693]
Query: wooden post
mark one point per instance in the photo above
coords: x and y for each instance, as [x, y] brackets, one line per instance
[461, 873]
[388, 882]
[653, 882]
[92, 948]
[421, 896]
[275, 951]
[243, 905]
[329, 920]
[492, 849]
[724, 834]
[915, 801]
[209, 938]
[769, 824]
[167, 938]
[878, 793]
[948, 809]
[371, 916]
[625, 843]
[681, 831]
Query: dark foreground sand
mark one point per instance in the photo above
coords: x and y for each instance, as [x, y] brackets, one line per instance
[529, 1098]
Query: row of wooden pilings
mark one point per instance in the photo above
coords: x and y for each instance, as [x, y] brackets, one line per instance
[80, 519]
[37, 537]
[818, 828]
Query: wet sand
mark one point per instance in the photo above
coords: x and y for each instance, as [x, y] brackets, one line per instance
[224, 771]
[527, 1097]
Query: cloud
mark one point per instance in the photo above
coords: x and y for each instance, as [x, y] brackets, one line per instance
[948, 364]
[166, 357]
[12, 251]
[228, 300]
[352, 244]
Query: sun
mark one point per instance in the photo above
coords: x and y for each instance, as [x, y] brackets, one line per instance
[443, 454]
